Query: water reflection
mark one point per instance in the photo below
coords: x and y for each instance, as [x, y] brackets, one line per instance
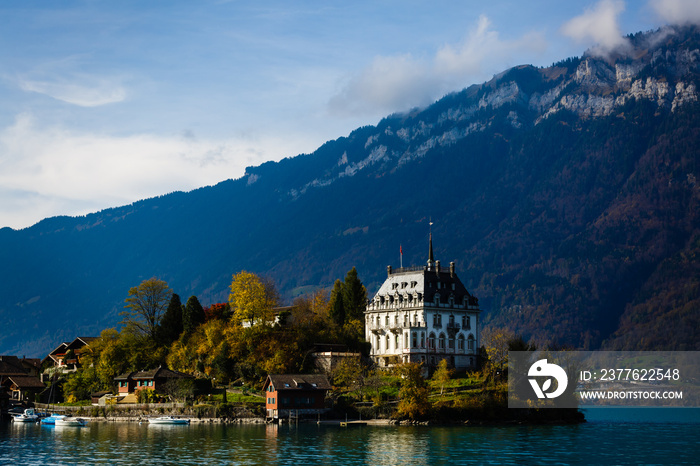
[131, 443]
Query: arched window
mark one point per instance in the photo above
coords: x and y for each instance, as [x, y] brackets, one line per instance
[388, 342]
[441, 342]
[470, 342]
[431, 341]
[460, 343]
[422, 339]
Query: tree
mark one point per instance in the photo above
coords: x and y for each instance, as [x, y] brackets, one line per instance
[192, 316]
[442, 375]
[146, 304]
[414, 404]
[354, 297]
[170, 326]
[336, 308]
[495, 341]
[252, 299]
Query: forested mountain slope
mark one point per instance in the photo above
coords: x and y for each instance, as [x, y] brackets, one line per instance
[568, 196]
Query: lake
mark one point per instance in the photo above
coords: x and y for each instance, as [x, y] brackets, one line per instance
[612, 436]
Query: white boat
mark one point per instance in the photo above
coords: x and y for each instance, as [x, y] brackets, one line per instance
[168, 420]
[51, 420]
[70, 422]
[27, 416]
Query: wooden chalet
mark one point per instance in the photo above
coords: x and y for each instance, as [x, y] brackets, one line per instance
[73, 349]
[17, 379]
[153, 379]
[23, 387]
[295, 395]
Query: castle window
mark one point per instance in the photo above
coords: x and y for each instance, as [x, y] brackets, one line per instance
[388, 342]
[386, 320]
[470, 343]
[466, 324]
[441, 342]
[431, 341]
[415, 340]
[451, 343]
[460, 343]
[422, 339]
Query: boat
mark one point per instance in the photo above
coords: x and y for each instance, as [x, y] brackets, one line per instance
[70, 422]
[168, 420]
[51, 420]
[27, 416]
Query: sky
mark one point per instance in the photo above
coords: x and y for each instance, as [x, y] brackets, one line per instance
[106, 102]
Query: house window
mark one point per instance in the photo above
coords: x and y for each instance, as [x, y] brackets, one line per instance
[422, 339]
[388, 342]
[415, 340]
[397, 345]
[451, 343]
[386, 321]
[441, 342]
[470, 343]
[431, 341]
[460, 343]
[437, 320]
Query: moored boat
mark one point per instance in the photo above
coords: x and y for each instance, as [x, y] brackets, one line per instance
[70, 422]
[51, 420]
[165, 420]
[27, 416]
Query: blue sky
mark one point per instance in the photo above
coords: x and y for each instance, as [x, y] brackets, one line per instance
[108, 102]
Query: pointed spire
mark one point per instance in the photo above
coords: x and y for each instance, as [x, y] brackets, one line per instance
[430, 250]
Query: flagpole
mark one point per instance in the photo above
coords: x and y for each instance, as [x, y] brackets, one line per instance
[401, 255]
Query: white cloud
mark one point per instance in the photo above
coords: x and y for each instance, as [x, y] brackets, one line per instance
[85, 91]
[47, 171]
[599, 28]
[677, 11]
[397, 83]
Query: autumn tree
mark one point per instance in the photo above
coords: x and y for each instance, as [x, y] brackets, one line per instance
[252, 299]
[442, 375]
[413, 393]
[496, 343]
[145, 306]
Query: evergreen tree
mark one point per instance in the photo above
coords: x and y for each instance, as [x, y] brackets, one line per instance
[170, 326]
[192, 315]
[336, 306]
[354, 297]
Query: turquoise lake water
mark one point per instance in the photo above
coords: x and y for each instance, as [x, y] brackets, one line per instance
[612, 436]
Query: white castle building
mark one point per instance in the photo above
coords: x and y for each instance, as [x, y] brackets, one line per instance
[423, 314]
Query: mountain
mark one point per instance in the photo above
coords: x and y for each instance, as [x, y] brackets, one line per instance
[568, 196]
